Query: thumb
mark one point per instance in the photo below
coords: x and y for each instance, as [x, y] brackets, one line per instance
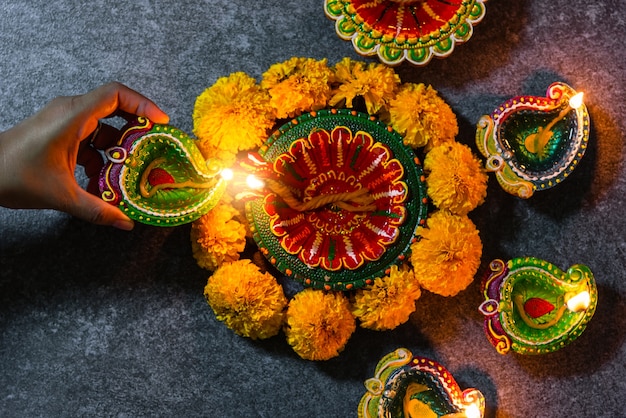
[95, 210]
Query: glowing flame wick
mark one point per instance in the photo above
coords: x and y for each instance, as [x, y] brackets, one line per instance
[576, 100]
[579, 302]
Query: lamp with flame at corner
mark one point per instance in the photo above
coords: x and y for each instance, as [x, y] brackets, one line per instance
[533, 143]
[333, 198]
[157, 176]
[533, 307]
[411, 386]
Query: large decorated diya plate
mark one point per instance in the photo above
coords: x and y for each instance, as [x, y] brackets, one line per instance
[407, 386]
[534, 143]
[344, 199]
[157, 176]
[399, 30]
[533, 307]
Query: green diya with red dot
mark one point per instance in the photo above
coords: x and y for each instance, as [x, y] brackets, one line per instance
[533, 307]
[156, 175]
[342, 200]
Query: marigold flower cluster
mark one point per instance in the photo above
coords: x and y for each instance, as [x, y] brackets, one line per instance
[318, 324]
[217, 237]
[249, 302]
[232, 115]
[238, 114]
[456, 180]
[389, 301]
[447, 256]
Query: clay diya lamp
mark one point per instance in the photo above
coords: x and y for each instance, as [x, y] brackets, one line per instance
[156, 175]
[533, 307]
[405, 385]
[533, 143]
[405, 30]
[339, 199]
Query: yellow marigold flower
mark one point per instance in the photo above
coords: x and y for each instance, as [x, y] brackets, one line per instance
[298, 85]
[447, 256]
[232, 115]
[389, 301]
[318, 324]
[249, 302]
[217, 238]
[375, 83]
[456, 180]
[222, 158]
[424, 118]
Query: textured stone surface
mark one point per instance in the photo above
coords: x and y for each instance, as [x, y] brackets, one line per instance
[97, 322]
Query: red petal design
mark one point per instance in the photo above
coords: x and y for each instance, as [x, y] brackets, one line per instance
[335, 162]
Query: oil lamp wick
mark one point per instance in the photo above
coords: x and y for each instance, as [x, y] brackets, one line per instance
[536, 142]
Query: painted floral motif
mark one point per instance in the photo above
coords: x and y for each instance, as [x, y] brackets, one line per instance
[330, 162]
[415, 30]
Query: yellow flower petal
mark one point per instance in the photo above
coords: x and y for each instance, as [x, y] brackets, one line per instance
[217, 237]
[249, 302]
[447, 256]
[318, 325]
[389, 301]
[422, 117]
[298, 85]
[375, 83]
[456, 180]
[232, 115]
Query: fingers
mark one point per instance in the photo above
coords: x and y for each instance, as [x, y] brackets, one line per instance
[117, 98]
[92, 209]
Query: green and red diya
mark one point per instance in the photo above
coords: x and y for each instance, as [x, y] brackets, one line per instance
[156, 175]
[341, 202]
[533, 307]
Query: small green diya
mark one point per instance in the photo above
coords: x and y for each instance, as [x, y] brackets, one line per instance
[533, 307]
[405, 30]
[407, 386]
[157, 176]
[533, 143]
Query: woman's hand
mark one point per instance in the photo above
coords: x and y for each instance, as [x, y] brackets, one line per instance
[38, 157]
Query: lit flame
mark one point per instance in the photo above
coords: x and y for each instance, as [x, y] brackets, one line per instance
[473, 411]
[254, 183]
[227, 174]
[579, 302]
[576, 100]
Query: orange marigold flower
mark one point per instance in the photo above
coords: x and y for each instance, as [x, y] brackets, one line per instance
[389, 301]
[249, 302]
[422, 117]
[318, 324]
[375, 83]
[456, 180]
[447, 256]
[217, 237]
[232, 115]
[298, 85]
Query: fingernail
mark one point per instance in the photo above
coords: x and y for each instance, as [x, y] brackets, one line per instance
[123, 224]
